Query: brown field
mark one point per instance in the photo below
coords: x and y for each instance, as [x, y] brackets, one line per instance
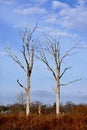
[43, 122]
[72, 117]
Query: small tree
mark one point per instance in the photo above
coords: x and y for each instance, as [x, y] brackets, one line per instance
[21, 98]
[52, 49]
[28, 53]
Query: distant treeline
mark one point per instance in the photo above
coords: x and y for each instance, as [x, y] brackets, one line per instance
[39, 108]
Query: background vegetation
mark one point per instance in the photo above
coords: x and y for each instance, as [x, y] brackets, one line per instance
[72, 117]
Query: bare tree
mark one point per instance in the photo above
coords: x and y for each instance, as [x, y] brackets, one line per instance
[21, 98]
[28, 53]
[52, 49]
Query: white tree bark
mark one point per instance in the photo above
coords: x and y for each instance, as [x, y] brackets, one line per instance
[28, 96]
[52, 49]
[28, 49]
[58, 95]
[57, 101]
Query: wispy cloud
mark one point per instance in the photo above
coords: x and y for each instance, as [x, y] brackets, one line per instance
[61, 14]
[59, 32]
[67, 16]
[30, 11]
[82, 2]
[73, 18]
[57, 4]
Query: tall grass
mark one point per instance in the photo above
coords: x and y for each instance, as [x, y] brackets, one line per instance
[43, 122]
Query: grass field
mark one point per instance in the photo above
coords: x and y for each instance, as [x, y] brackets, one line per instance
[43, 122]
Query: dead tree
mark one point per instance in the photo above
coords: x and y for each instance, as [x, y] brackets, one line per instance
[21, 98]
[28, 53]
[52, 49]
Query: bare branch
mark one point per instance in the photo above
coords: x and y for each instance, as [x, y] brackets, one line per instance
[64, 71]
[43, 58]
[22, 35]
[21, 85]
[50, 68]
[30, 36]
[24, 54]
[15, 58]
[54, 49]
[28, 50]
[68, 52]
[70, 82]
[32, 57]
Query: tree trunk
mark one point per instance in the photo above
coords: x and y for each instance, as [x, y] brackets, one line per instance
[58, 97]
[28, 96]
[57, 100]
[39, 109]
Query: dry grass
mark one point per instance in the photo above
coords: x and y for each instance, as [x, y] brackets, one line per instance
[43, 122]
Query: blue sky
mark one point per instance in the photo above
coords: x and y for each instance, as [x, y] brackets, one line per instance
[68, 19]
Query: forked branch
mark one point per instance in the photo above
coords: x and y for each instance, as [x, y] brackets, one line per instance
[64, 71]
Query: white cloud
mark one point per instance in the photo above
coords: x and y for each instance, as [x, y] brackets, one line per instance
[69, 17]
[61, 14]
[30, 10]
[82, 2]
[52, 18]
[52, 31]
[57, 4]
[74, 17]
